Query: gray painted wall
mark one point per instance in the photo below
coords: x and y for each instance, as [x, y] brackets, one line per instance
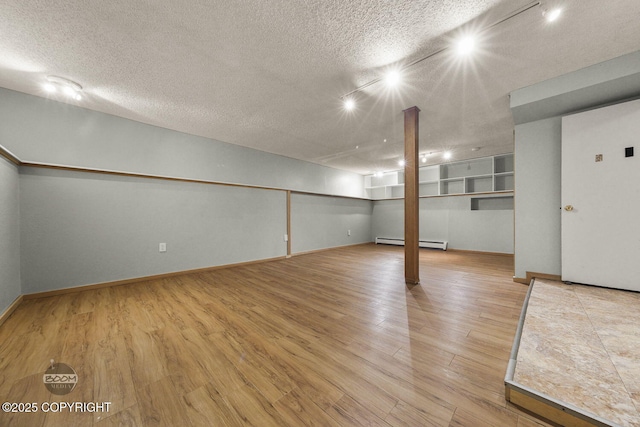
[84, 228]
[450, 219]
[537, 197]
[9, 234]
[319, 222]
[40, 130]
[80, 228]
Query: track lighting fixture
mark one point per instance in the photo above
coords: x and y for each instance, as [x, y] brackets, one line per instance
[349, 104]
[71, 89]
[552, 15]
[392, 79]
[464, 46]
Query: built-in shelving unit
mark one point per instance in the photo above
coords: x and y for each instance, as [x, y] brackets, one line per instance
[482, 175]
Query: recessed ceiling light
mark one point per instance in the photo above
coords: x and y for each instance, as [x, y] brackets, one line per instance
[379, 174]
[476, 148]
[446, 155]
[401, 162]
[466, 45]
[424, 158]
[552, 15]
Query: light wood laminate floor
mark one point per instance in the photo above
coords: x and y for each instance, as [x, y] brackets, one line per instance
[333, 338]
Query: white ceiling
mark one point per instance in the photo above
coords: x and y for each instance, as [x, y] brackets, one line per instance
[269, 74]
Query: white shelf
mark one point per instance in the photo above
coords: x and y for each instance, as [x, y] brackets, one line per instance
[429, 188]
[503, 182]
[503, 164]
[429, 174]
[478, 184]
[397, 191]
[452, 186]
[482, 166]
[482, 175]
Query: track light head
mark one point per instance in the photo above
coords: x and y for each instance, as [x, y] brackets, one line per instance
[349, 104]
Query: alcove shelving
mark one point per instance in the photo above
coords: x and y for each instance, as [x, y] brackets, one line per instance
[481, 175]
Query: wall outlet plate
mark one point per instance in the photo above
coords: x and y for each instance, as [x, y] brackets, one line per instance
[162, 247]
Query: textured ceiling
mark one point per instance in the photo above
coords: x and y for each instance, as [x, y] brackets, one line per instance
[269, 74]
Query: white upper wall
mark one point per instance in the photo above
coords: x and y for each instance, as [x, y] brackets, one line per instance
[40, 130]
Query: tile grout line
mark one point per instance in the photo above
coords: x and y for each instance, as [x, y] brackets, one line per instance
[596, 330]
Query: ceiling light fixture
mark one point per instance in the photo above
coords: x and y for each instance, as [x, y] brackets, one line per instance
[446, 155]
[349, 104]
[466, 45]
[70, 88]
[513, 14]
[424, 158]
[551, 15]
[393, 78]
[402, 163]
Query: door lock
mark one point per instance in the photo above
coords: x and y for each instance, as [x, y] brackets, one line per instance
[568, 208]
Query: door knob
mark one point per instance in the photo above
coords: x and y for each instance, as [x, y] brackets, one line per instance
[568, 208]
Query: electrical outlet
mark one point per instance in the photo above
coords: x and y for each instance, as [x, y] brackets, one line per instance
[162, 247]
[286, 237]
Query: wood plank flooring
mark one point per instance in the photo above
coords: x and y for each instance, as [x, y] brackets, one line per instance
[333, 338]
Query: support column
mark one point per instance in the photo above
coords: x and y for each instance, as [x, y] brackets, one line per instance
[411, 207]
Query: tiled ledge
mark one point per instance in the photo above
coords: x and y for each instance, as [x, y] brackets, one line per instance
[576, 357]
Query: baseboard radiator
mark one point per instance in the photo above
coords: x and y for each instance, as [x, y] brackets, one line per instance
[435, 244]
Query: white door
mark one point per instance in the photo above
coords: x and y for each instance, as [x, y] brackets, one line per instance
[601, 197]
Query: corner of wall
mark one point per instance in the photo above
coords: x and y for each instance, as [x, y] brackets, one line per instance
[10, 278]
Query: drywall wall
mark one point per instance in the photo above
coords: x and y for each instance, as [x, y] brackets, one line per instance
[9, 234]
[82, 228]
[40, 130]
[451, 219]
[604, 83]
[537, 197]
[537, 111]
[319, 222]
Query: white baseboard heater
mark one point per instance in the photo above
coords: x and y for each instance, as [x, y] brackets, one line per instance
[435, 244]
